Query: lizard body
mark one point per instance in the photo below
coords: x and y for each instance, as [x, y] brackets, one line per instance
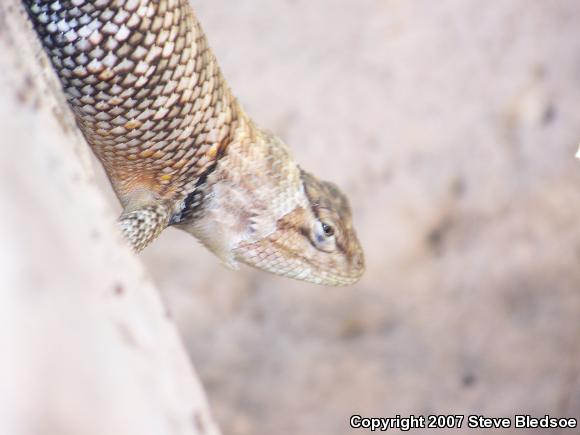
[151, 101]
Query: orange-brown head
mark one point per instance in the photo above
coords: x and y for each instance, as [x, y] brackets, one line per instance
[315, 243]
[261, 209]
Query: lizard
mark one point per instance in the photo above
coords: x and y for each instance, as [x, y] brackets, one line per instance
[179, 150]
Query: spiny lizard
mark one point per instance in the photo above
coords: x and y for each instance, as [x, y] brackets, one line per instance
[150, 99]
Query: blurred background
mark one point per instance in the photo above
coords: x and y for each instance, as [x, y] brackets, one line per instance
[452, 126]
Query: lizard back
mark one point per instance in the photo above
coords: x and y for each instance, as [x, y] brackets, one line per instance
[144, 86]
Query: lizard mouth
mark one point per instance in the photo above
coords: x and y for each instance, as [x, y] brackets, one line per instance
[280, 260]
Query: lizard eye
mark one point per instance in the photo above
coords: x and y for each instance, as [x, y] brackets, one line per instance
[323, 236]
[327, 229]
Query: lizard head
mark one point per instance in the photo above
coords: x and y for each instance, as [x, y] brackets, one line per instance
[315, 242]
[260, 208]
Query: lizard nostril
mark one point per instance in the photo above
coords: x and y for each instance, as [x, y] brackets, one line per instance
[361, 260]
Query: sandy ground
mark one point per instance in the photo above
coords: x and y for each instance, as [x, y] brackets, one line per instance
[452, 125]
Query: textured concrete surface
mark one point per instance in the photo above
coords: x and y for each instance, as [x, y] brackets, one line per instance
[452, 124]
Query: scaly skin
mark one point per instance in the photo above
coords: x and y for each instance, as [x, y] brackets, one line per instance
[151, 101]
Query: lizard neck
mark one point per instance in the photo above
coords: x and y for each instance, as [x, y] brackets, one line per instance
[254, 184]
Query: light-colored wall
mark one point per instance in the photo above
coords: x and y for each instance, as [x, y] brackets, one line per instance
[86, 347]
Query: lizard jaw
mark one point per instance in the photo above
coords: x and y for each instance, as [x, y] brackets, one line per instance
[289, 252]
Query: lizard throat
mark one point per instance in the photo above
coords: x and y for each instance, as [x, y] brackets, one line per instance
[243, 198]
